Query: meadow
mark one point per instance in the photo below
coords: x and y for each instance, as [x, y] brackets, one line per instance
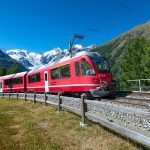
[28, 126]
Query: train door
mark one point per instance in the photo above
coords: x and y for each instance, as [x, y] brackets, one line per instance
[1, 90]
[46, 81]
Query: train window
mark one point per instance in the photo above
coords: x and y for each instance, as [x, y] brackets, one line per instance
[5, 82]
[34, 78]
[64, 71]
[87, 69]
[0, 85]
[55, 73]
[38, 77]
[8, 82]
[77, 68]
[18, 80]
[102, 64]
[45, 76]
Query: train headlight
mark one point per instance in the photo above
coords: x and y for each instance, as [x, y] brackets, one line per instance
[95, 80]
[98, 88]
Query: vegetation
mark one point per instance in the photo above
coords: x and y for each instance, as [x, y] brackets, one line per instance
[2, 71]
[9, 65]
[28, 126]
[128, 54]
[130, 61]
[136, 61]
[14, 68]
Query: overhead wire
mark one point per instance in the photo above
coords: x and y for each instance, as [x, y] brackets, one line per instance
[91, 28]
[131, 11]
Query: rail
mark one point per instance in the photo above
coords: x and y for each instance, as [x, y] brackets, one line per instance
[131, 122]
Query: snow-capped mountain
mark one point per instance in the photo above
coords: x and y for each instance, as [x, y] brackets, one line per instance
[49, 55]
[6, 62]
[32, 60]
[28, 59]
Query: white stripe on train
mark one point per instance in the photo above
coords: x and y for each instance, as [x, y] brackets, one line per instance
[66, 85]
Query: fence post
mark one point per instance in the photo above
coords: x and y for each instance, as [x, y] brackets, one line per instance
[140, 85]
[25, 96]
[59, 102]
[34, 97]
[17, 95]
[149, 108]
[83, 110]
[9, 95]
[45, 99]
[2, 94]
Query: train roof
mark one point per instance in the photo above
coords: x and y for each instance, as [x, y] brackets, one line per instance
[14, 75]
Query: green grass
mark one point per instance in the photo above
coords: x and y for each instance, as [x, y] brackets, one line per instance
[28, 126]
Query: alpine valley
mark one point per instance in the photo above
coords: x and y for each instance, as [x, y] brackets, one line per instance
[128, 54]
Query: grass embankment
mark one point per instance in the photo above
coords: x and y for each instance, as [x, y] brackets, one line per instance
[28, 126]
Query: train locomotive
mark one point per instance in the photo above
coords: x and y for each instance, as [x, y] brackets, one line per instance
[86, 72]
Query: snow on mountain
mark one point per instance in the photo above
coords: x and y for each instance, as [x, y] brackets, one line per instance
[65, 55]
[28, 59]
[52, 52]
[33, 60]
[78, 46]
[16, 53]
[49, 55]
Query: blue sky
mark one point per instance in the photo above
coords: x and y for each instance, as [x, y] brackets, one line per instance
[41, 25]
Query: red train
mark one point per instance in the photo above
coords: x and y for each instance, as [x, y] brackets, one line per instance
[87, 72]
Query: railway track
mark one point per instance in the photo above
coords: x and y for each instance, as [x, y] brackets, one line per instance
[140, 103]
[139, 100]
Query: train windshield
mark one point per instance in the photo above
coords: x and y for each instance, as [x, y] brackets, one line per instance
[101, 64]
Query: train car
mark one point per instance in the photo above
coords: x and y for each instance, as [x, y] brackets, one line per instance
[36, 81]
[86, 72]
[13, 83]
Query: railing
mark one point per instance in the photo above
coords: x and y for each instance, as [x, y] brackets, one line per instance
[140, 85]
[131, 122]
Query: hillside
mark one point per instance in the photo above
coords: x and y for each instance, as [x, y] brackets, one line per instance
[135, 41]
[6, 62]
[117, 48]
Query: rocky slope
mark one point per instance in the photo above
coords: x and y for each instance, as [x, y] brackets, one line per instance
[6, 61]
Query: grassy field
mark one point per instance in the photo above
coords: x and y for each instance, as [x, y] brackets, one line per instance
[28, 126]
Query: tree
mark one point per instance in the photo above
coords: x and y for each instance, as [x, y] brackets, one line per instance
[13, 69]
[2, 71]
[136, 61]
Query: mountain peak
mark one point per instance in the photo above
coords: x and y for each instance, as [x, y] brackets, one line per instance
[52, 52]
[6, 61]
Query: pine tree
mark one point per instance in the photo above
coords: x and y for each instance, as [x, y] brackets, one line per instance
[136, 61]
[13, 69]
[2, 71]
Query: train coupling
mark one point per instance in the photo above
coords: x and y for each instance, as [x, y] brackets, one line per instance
[103, 90]
[98, 93]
